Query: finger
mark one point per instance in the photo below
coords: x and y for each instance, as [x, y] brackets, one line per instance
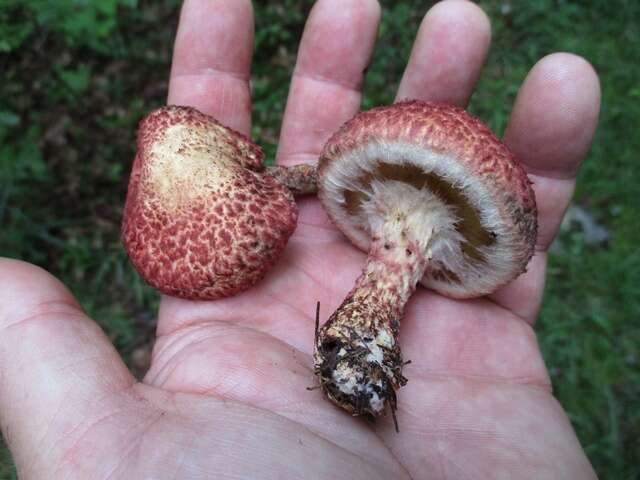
[550, 131]
[448, 54]
[212, 60]
[56, 364]
[326, 85]
[523, 296]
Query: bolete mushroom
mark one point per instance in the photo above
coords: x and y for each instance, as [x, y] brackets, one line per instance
[434, 197]
[203, 217]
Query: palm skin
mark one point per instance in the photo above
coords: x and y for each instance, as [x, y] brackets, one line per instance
[226, 394]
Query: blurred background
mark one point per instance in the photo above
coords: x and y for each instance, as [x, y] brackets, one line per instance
[77, 75]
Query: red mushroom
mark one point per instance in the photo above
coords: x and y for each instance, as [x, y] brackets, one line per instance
[203, 218]
[434, 197]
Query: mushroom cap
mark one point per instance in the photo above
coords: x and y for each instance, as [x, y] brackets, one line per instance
[441, 148]
[201, 221]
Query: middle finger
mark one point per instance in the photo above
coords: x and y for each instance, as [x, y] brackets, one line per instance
[326, 86]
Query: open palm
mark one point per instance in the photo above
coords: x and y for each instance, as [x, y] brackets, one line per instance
[226, 394]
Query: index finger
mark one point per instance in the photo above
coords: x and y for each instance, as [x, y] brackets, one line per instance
[212, 60]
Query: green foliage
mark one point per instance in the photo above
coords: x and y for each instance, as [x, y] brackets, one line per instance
[77, 21]
[279, 27]
[591, 346]
[78, 75]
[7, 470]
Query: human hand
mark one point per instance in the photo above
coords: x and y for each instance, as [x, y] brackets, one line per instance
[226, 393]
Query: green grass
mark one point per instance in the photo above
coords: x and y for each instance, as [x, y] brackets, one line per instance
[77, 79]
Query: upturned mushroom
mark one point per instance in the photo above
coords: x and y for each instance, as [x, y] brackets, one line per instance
[435, 198]
[203, 218]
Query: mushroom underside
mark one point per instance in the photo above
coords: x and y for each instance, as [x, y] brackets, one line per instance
[491, 249]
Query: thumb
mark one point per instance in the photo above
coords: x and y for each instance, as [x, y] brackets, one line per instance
[57, 368]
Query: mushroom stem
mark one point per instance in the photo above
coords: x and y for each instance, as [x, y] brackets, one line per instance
[301, 179]
[357, 355]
